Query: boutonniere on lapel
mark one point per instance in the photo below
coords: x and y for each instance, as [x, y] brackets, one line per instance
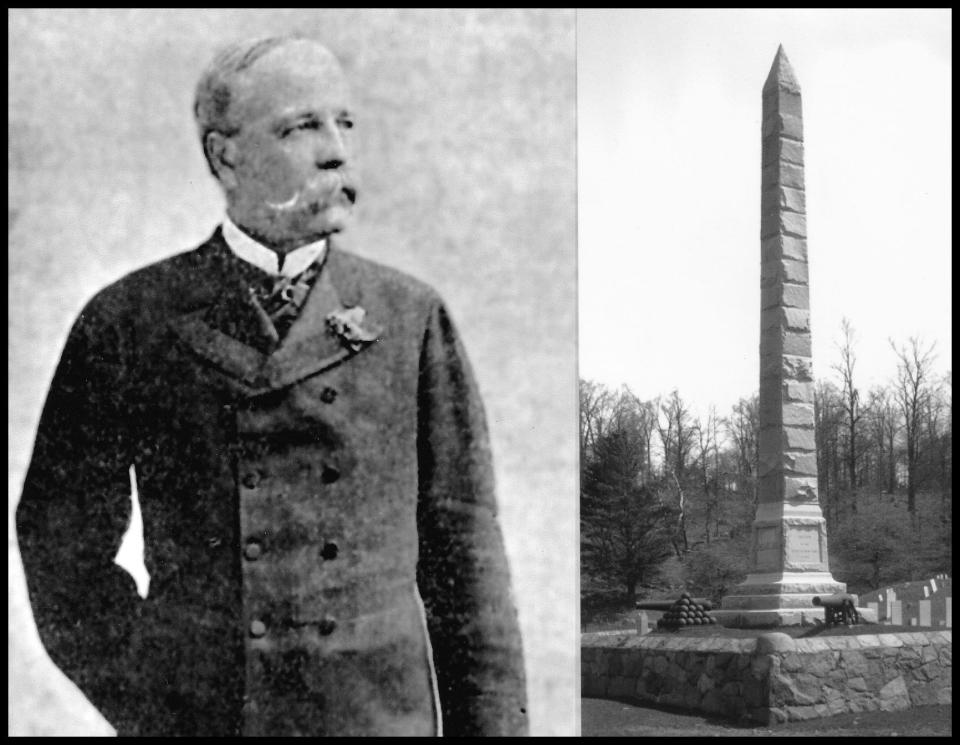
[349, 325]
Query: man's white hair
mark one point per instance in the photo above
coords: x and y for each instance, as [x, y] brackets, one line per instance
[214, 90]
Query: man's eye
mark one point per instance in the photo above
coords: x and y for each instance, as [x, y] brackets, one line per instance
[345, 123]
[300, 126]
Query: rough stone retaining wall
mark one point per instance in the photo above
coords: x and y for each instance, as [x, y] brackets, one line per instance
[773, 678]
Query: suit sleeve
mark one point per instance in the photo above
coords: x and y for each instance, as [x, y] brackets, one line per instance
[74, 510]
[462, 570]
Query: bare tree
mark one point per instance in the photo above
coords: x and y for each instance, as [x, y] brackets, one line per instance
[596, 402]
[708, 467]
[646, 422]
[828, 413]
[883, 433]
[743, 428]
[912, 394]
[850, 398]
[936, 440]
[716, 482]
[677, 434]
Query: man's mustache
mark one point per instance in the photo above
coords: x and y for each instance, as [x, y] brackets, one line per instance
[329, 184]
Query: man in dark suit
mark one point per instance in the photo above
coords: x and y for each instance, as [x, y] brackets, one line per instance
[310, 454]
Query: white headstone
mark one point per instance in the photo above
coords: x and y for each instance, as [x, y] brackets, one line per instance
[926, 591]
[933, 585]
[924, 613]
[896, 613]
[913, 621]
[643, 623]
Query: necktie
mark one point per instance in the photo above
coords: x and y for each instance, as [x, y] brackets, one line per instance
[279, 300]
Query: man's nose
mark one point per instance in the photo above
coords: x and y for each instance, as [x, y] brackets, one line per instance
[332, 151]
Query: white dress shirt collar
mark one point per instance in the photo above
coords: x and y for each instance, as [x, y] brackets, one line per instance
[268, 260]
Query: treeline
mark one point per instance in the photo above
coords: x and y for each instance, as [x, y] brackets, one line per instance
[668, 497]
[895, 437]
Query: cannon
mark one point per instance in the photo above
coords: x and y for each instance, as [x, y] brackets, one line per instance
[838, 608]
[665, 605]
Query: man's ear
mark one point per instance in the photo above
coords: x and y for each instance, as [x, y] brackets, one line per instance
[221, 154]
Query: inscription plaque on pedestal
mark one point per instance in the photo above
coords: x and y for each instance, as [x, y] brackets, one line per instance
[768, 546]
[803, 545]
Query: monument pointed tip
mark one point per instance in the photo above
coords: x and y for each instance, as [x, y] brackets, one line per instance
[781, 73]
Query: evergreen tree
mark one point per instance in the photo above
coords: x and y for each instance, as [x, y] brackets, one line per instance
[624, 528]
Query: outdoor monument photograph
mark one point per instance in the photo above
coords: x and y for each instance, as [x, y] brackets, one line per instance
[765, 394]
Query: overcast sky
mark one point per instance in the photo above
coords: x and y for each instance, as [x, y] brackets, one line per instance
[669, 110]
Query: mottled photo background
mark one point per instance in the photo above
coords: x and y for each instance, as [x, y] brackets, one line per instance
[467, 155]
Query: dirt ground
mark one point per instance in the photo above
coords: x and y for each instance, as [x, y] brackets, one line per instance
[602, 718]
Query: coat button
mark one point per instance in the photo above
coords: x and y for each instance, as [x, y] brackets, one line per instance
[250, 480]
[327, 626]
[328, 395]
[257, 629]
[329, 474]
[253, 550]
[330, 551]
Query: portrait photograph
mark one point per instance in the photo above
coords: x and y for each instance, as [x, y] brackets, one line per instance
[293, 372]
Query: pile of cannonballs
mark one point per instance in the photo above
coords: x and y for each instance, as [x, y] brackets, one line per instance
[683, 613]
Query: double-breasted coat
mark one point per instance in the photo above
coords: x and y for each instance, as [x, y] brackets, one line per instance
[319, 522]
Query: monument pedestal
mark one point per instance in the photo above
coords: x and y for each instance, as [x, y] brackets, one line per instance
[777, 599]
[789, 556]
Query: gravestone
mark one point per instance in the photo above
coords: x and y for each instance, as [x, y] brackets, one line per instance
[936, 591]
[924, 612]
[789, 562]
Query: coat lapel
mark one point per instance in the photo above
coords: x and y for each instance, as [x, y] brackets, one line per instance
[222, 331]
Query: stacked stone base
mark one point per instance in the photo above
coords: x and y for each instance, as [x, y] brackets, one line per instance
[773, 678]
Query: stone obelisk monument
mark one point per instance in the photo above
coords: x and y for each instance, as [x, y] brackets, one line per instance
[789, 542]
